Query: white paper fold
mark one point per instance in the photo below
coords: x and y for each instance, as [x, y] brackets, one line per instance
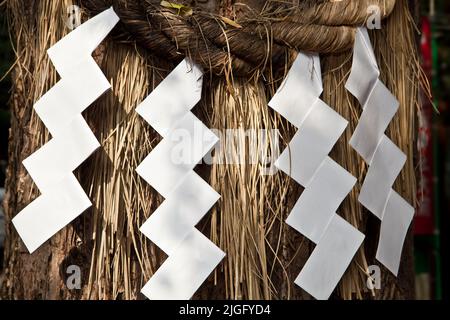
[62, 154]
[53, 210]
[361, 83]
[82, 82]
[312, 143]
[394, 226]
[74, 48]
[326, 183]
[374, 121]
[176, 155]
[183, 208]
[386, 166]
[330, 258]
[384, 157]
[319, 201]
[185, 270]
[169, 169]
[171, 100]
[299, 90]
[71, 95]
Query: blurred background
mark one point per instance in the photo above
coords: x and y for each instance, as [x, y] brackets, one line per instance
[431, 225]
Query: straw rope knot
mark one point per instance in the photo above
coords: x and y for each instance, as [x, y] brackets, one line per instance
[257, 41]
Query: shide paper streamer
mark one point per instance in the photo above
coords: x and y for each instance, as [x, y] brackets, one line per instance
[326, 183]
[385, 159]
[62, 199]
[169, 169]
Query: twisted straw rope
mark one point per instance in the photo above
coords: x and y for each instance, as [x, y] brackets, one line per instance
[264, 40]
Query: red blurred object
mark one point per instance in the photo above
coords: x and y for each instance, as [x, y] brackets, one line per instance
[424, 220]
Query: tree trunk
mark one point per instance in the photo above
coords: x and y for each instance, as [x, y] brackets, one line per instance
[114, 258]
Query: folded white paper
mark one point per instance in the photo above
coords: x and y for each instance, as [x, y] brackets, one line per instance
[185, 270]
[361, 83]
[330, 258]
[171, 100]
[176, 155]
[82, 82]
[300, 90]
[319, 201]
[53, 210]
[312, 143]
[386, 166]
[79, 44]
[175, 218]
[326, 183]
[169, 169]
[394, 227]
[378, 112]
[62, 154]
[385, 159]
[71, 95]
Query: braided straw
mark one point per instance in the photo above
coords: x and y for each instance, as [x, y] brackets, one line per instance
[255, 42]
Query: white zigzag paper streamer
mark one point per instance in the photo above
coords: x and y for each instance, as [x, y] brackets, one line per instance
[169, 169]
[62, 199]
[385, 159]
[326, 183]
